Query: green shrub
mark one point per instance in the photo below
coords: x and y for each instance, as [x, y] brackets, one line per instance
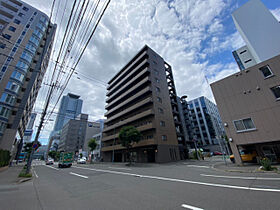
[4, 157]
[266, 163]
[24, 174]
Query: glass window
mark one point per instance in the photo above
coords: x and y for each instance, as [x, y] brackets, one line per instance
[160, 110]
[38, 33]
[18, 76]
[34, 40]
[162, 123]
[22, 65]
[7, 36]
[12, 28]
[2, 126]
[7, 98]
[164, 138]
[16, 21]
[2, 45]
[157, 89]
[25, 9]
[31, 47]
[20, 14]
[4, 68]
[248, 123]
[276, 92]
[4, 112]
[12, 86]
[244, 124]
[157, 80]
[266, 71]
[159, 99]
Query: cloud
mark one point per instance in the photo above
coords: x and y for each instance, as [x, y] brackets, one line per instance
[276, 13]
[186, 33]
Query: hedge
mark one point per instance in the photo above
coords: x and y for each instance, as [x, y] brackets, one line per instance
[4, 157]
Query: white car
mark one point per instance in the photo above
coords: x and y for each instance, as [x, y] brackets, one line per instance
[82, 161]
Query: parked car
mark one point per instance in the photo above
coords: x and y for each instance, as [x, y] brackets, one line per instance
[49, 162]
[82, 160]
[246, 156]
[216, 153]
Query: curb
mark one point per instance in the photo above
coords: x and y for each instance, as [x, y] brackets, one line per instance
[3, 168]
[242, 171]
[23, 180]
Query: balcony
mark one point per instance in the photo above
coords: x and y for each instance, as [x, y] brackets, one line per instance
[129, 120]
[127, 77]
[129, 84]
[140, 128]
[142, 92]
[125, 111]
[122, 72]
[129, 91]
[135, 145]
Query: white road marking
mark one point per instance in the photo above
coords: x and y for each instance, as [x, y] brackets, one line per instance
[190, 207]
[182, 180]
[52, 167]
[241, 177]
[35, 174]
[198, 166]
[128, 169]
[86, 177]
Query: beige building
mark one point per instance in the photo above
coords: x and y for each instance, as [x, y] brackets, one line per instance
[25, 44]
[249, 104]
[142, 94]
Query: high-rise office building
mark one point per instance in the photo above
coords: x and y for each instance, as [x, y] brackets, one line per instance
[260, 30]
[207, 128]
[142, 94]
[26, 37]
[70, 107]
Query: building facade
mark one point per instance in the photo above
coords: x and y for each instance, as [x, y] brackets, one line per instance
[249, 104]
[140, 95]
[26, 42]
[29, 129]
[206, 125]
[244, 58]
[259, 29]
[93, 128]
[73, 133]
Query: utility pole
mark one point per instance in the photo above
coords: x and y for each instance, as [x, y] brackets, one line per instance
[39, 129]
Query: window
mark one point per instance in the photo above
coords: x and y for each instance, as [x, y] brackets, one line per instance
[25, 9]
[4, 112]
[266, 71]
[157, 89]
[164, 138]
[7, 98]
[157, 80]
[17, 75]
[159, 99]
[20, 14]
[2, 45]
[150, 137]
[14, 49]
[12, 86]
[276, 92]
[2, 126]
[244, 125]
[160, 110]
[248, 61]
[162, 123]
[22, 65]
[7, 36]
[154, 62]
[156, 72]
[27, 26]
[16, 21]
[4, 68]
[12, 28]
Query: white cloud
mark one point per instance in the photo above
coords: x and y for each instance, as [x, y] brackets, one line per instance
[175, 30]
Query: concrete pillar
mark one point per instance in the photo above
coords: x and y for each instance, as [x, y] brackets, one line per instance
[236, 154]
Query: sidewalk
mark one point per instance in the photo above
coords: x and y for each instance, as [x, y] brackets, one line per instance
[10, 175]
[246, 168]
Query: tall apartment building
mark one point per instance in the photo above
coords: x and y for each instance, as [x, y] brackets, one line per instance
[72, 137]
[26, 37]
[260, 30]
[141, 95]
[207, 128]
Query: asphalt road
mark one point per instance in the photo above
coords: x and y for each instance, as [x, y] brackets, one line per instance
[183, 185]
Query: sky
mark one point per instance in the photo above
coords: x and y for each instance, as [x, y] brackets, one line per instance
[196, 37]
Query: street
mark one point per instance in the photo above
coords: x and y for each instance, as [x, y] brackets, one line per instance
[182, 185]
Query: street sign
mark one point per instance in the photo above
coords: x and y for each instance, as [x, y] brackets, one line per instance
[35, 146]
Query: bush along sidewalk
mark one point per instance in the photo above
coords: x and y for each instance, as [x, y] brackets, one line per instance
[24, 174]
[266, 165]
[4, 157]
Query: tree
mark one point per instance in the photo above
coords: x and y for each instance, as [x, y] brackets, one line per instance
[92, 146]
[129, 135]
[54, 155]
